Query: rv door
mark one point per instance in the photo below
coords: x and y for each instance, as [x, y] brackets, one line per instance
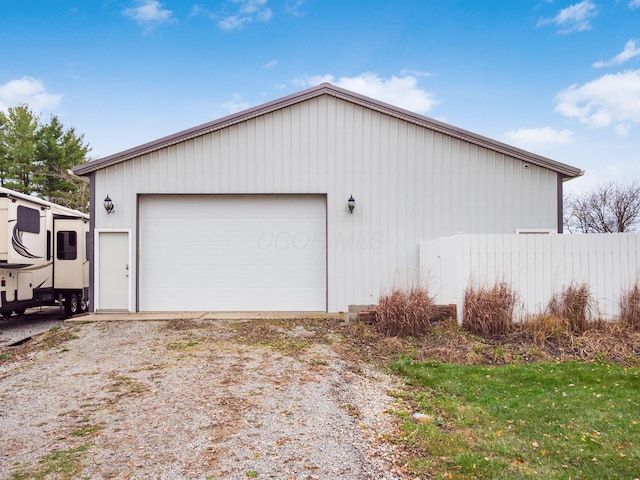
[68, 253]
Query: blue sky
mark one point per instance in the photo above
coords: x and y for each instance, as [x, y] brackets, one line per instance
[558, 78]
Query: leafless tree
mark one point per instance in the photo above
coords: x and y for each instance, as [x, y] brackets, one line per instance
[609, 207]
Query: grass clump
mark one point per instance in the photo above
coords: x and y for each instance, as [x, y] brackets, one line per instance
[489, 311]
[630, 307]
[58, 464]
[575, 304]
[405, 313]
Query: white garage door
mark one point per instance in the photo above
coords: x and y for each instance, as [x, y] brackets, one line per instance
[232, 253]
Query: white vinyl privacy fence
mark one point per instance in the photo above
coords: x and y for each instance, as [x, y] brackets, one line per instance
[536, 266]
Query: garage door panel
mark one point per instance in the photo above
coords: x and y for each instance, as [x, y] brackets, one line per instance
[269, 299]
[242, 254]
[232, 253]
[247, 277]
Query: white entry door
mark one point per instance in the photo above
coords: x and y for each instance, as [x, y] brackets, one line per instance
[113, 271]
[232, 252]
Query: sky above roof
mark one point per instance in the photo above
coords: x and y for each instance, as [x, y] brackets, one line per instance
[557, 78]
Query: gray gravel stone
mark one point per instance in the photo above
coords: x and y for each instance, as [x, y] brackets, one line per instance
[140, 400]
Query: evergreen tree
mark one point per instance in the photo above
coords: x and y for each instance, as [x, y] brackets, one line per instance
[37, 158]
[4, 158]
[20, 144]
[57, 152]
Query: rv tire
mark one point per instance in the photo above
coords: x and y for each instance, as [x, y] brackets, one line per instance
[71, 305]
[20, 311]
[6, 314]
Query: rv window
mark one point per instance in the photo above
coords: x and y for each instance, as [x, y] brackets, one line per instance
[28, 220]
[66, 245]
[48, 244]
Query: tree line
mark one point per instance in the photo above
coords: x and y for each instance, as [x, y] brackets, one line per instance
[607, 208]
[36, 158]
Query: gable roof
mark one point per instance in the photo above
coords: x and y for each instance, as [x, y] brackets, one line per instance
[565, 170]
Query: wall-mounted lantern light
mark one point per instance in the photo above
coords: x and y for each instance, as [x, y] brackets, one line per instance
[351, 204]
[108, 204]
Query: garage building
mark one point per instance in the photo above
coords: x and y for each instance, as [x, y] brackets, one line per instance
[311, 202]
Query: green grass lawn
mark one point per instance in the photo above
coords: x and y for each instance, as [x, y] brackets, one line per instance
[540, 420]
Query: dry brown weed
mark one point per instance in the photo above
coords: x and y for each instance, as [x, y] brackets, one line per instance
[630, 307]
[575, 304]
[405, 313]
[489, 311]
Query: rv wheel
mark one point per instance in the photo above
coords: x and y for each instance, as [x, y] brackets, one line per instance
[20, 311]
[71, 305]
[6, 314]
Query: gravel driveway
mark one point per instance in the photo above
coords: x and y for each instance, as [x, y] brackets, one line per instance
[35, 321]
[194, 399]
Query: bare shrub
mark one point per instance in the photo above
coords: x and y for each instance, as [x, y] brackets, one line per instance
[574, 304]
[630, 307]
[405, 313]
[489, 311]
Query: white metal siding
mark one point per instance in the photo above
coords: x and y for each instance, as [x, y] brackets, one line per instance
[535, 266]
[232, 253]
[410, 184]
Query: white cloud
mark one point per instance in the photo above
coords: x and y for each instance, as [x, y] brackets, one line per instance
[292, 7]
[233, 22]
[575, 18]
[271, 64]
[623, 129]
[611, 100]
[634, 4]
[236, 104]
[631, 50]
[198, 10]
[248, 11]
[534, 138]
[416, 73]
[399, 91]
[30, 91]
[149, 13]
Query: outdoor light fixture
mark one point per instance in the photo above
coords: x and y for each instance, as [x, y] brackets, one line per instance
[351, 204]
[108, 204]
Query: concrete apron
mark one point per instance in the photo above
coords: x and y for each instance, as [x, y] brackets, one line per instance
[164, 316]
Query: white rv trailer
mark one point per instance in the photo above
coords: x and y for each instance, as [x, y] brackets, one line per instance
[43, 255]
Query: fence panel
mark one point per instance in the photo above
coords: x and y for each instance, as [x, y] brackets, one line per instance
[536, 266]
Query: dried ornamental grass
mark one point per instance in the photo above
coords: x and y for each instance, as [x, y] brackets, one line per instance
[606, 340]
[405, 313]
[542, 329]
[600, 340]
[630, 307]
[489, 311]
[575, 304]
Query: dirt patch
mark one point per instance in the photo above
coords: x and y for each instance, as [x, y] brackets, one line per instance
[195, 399]
[447, 342]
